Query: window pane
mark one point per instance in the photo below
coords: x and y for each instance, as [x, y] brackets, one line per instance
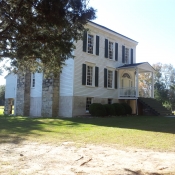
[110, 50]
[109, 101]
[90, 43]
[89, 75]
[33, 80]
[88, 103]
[126, 55]
[110, 78]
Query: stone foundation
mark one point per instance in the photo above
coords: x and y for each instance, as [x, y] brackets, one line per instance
[8, 106]
[79, 104]
[50, 97]
[23, 94]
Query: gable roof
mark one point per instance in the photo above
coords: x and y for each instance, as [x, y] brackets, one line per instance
[103, 27]
[143, 67]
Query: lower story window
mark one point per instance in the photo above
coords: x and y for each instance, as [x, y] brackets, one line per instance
[110, 78]
[109, 101]
[89, 75]
[88, 103]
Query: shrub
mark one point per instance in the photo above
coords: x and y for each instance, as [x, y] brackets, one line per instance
[128, 109]
[119, 109]
[109, 109]
[97, 109]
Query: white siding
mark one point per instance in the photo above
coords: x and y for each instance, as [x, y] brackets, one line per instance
[35, 106]
[11, 84]
[67, 78]
[99, 61]
[37, 90]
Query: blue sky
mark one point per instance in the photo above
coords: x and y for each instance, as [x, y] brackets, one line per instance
[150, 22]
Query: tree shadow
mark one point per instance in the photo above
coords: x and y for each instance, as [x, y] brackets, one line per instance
[139, 172]
[146, 123]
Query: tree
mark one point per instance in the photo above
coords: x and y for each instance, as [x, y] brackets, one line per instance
[164, 87]
[2, 94]
[39, 35]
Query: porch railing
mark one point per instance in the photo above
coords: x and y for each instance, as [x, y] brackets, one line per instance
[127, 92]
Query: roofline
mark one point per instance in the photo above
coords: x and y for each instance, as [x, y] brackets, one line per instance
[105, 28]
[135, 66]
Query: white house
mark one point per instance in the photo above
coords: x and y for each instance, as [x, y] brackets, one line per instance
[104, 70]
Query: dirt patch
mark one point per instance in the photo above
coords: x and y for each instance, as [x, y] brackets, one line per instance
[66, 159]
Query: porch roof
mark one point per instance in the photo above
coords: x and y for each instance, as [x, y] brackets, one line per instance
[143, 67]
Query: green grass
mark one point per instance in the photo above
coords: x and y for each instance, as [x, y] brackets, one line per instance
[134, 131]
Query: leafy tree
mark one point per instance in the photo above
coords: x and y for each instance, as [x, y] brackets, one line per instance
[40, 34]
[2, 92]
[164, 88]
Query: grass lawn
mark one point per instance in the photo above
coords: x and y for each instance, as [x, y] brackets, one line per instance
[136, 131]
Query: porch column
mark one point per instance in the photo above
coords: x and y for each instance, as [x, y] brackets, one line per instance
[137, 82]
[152, 86]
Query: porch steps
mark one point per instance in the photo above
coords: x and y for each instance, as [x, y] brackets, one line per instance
[156, 107]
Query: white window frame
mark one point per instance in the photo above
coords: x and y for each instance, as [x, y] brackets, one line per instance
[33, 80]
[127, 55]
[111, 49]
[93, 74]
[112, 70]
[87, 107]
[94, 43]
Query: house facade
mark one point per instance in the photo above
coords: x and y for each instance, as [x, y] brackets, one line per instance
[104, 70]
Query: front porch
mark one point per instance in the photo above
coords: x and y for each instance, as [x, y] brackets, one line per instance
[128, 81]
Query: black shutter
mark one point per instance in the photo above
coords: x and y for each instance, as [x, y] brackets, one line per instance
[131, 56]
[116, 51]
[97, 45]
[106, 48]
[105, 77]
[96, 76]
[115, 79]
[83, 74]
[84, 41]
[123, 54]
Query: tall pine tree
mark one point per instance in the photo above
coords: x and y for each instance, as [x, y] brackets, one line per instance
[39, 34]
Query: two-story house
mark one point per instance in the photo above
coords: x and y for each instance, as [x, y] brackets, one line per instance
[104, 70]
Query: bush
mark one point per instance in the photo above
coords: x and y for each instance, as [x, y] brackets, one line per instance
[97, 109]
[119, 109]
[128, 109]
[109, 109]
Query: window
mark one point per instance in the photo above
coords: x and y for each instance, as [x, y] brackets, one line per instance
[110, 79]
[89, 75]
[110, 50]
[33, 80]
[88, 103]
[90, 43]
[109, 101]
[126, 55]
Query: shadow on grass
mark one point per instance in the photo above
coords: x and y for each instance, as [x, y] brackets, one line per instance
[15, 129]
[146, 123]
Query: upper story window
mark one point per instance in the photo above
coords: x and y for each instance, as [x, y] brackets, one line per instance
[126, 55]
[90, 43]
[110, 50]
[32, 80]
